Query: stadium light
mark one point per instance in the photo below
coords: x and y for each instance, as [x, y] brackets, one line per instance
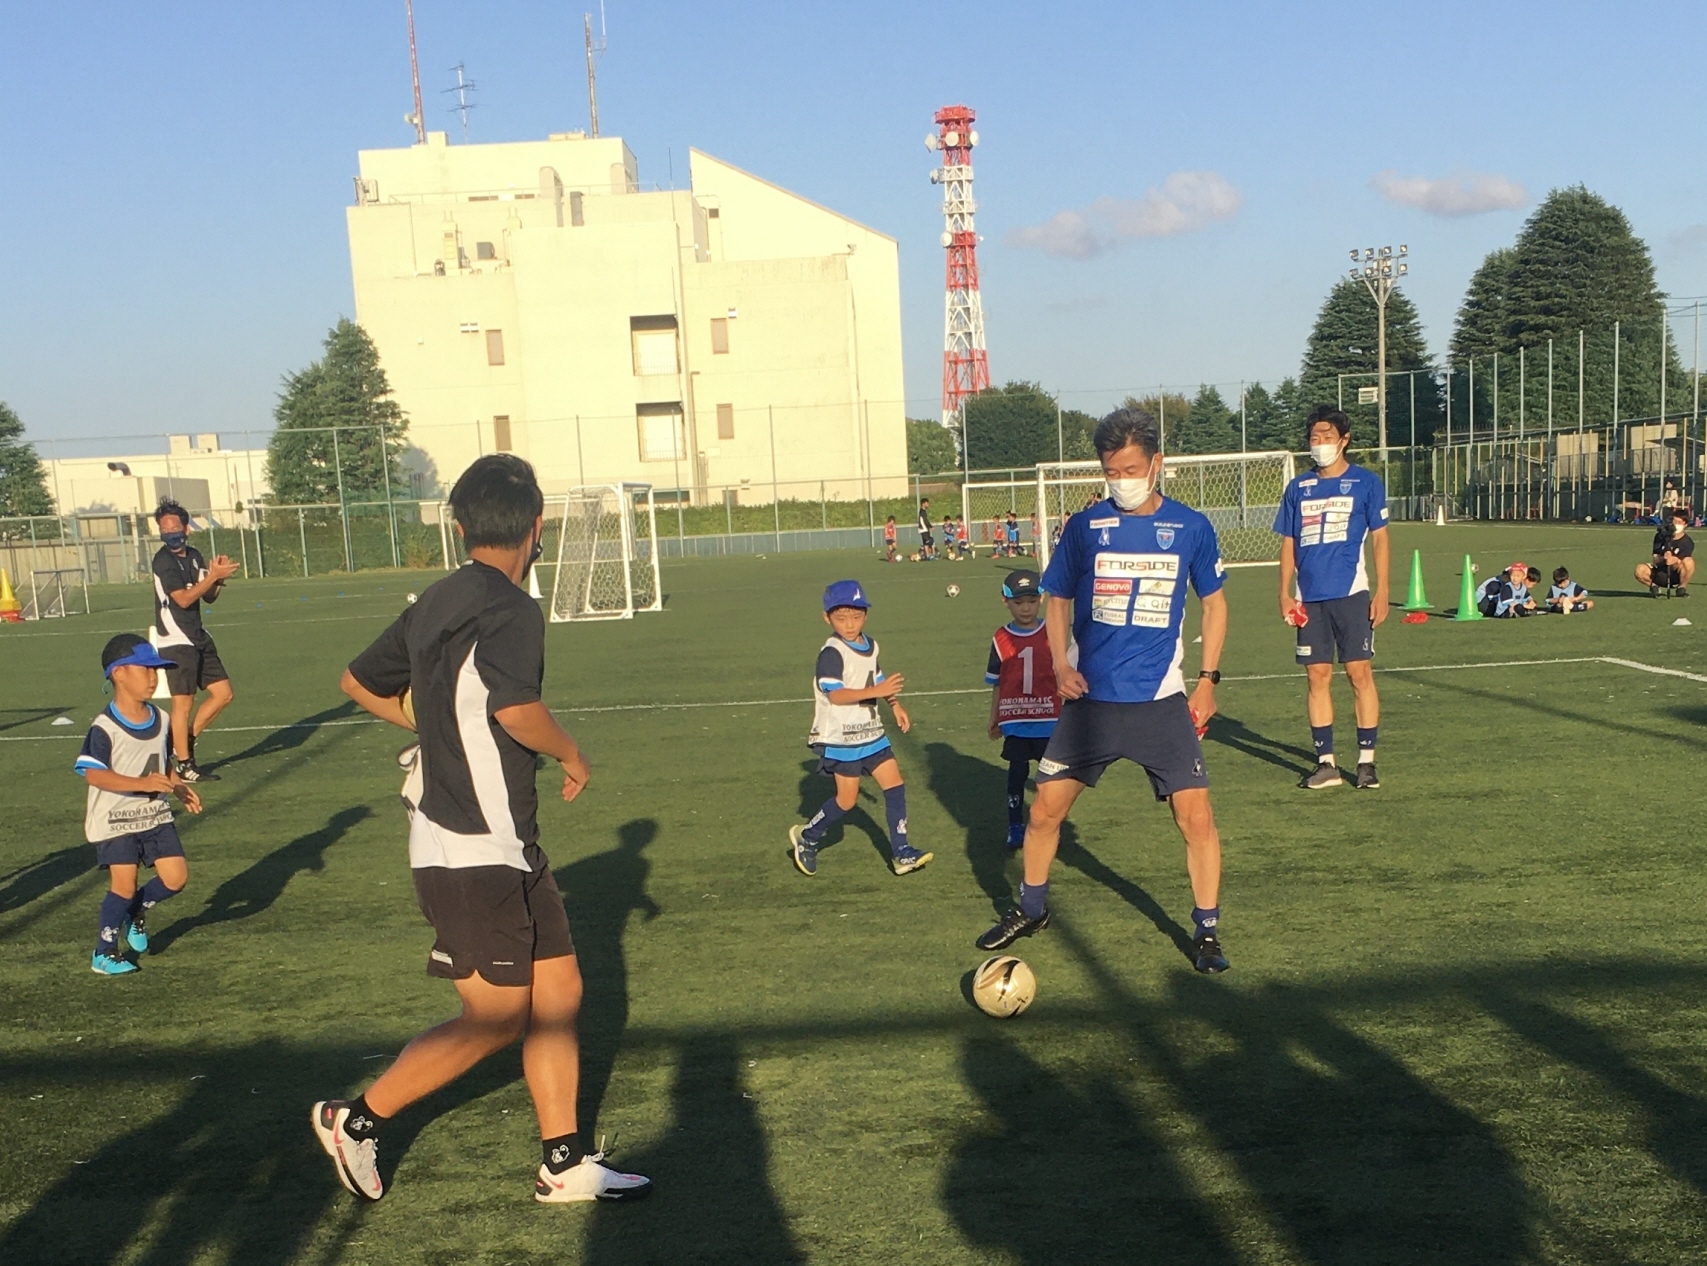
[1379, 275]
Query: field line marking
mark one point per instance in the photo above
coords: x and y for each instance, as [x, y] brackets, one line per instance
[1652, 668]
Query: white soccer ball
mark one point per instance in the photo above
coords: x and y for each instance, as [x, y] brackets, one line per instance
[411, 599]
[1003, 986]
[1474, 569]
[954, 591]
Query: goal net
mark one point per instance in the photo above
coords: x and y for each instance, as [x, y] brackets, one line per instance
[1238, 492]
[57, 593]
[607, 554]
[985, 507]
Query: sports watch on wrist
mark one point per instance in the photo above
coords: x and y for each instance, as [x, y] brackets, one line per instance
[1214, 675]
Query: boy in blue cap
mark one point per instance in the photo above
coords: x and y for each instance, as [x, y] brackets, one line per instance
[127, 763]
[847, 734]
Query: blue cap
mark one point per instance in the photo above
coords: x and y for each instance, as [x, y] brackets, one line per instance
[128, 648]
[846, 593]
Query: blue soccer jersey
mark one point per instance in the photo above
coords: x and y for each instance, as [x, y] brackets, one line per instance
[1126, 575]
[1328, 520]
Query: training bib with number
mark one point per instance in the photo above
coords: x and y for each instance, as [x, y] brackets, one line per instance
[133, 751]
[1023, 673]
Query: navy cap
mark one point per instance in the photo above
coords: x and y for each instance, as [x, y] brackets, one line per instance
[846, 593]
[128, 648]
[1020, 584]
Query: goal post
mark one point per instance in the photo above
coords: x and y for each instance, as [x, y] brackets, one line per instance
[607, 553]
[55, 594]
[1238, 492]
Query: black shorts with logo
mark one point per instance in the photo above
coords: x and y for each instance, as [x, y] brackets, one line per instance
[1339, 624]
[1018, 747]
[1158, 734]
[197, 666]
[140, 848]
[495, 920]
[830, 767]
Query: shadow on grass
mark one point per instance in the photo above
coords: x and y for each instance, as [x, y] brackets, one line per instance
[254, 889]
[42, 876]
[815, 788]
[289, 737]
[975, 793]
[1234, 733]
[1644, 732]
[16, 718]
[1073, 853]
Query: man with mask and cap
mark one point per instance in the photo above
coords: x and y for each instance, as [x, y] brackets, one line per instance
[1116, 589]
[1672, 564]
[183, 580]
[1326, 516]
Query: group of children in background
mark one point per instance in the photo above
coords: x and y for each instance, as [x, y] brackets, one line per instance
[1511, 594]
[956, 538]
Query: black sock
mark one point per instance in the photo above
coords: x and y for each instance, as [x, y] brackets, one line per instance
[561, 1153]
[363, 1122]
[1017, 770]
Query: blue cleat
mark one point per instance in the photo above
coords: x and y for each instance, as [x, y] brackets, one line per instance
[1016, 835]
[107, 965]
[805, 855]
[907, 859]
[136, 934]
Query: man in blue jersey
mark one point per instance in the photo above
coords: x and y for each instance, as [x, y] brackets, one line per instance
[1122, 564]
[1326, 516]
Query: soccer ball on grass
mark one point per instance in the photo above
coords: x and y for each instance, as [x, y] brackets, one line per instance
[954, 591]
[1003, 986]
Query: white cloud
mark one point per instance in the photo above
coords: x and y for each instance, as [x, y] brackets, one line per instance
[1462, 193]
[1187, 202]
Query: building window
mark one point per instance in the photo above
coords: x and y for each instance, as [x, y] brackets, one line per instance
[654, 345]
[501, 433]
[494, 347]
[663, 436]
[720, 335]
[483, 250]
[725, 421]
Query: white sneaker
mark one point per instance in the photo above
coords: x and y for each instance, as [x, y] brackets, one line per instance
[356, 1160]
[589, 1180]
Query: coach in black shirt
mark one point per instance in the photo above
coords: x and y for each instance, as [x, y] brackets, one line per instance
[1673, 560]
[183, 580]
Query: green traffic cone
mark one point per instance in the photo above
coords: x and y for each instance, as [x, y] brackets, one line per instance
[1418, 601]
[1467, 609]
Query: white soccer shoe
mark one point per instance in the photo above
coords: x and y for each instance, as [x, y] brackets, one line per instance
[356, 1160]
[589, 1180]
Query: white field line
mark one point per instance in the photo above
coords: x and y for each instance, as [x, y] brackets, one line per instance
[915, 694]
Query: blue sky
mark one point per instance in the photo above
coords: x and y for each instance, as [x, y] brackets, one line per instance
[1166, 191]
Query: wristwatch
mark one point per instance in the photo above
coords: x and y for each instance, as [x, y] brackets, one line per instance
[1214, 675]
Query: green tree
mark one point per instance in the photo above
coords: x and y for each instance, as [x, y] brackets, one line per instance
[1013, 425]
[347, 390]
[1077, 429]
[1576, 265]
[1207, 426]
[23, 481]
[1272, 419]
[931, 447]
[1344, 342]
[1169, 409]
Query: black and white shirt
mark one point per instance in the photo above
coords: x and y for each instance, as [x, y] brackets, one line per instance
[473, 645]
[175, 625]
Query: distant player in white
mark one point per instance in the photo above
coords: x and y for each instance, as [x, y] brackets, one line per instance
[1325, 517]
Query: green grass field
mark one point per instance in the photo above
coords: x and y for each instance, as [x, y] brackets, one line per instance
[1466, 1020]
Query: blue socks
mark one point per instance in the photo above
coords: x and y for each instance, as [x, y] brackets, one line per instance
[1206, 920]
[895, 803]
[114, 910]
[827, 816]
[1366, 745]
[153, 893]
[1017, 771]
[1034, 899]
[1322, 736]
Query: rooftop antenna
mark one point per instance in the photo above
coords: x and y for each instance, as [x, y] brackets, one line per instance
[463, 105]
[593, 46]
[415, 77]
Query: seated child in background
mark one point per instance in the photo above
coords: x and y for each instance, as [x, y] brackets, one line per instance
[1512, 599]
[1567, 595]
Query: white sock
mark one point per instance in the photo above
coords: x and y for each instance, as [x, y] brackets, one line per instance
[1366, 756]
[1327, 759]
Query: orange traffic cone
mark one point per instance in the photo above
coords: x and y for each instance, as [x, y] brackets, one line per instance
[10, 608]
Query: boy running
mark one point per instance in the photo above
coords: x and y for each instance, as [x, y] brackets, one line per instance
[127, 763]
[847, 734]
[1023, 704]
[1325, 516]
[472, 653]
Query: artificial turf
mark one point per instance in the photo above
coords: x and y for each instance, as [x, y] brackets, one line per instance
[1464, 1023]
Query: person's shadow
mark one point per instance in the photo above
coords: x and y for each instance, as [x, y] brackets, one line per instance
[255, 889]
[1234, 733]
[975, 793]
[287, 737]
[42, 876]
[815, 788]
[600, 892]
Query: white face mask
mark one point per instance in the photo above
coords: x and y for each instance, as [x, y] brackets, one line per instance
[1677, 528]
[1324, 454]
[1129, 494]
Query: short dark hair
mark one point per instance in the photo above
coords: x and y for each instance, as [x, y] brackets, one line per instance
[496, 501]
[1534, 575]
[1680, 512]
[1327, 413]
[1560, 574]
[169, 507]
[1130, 425]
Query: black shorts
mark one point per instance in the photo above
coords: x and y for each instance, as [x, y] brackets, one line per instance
[1339, 624]
[140, 848]
[926, 539]
[197, 666]
[495, 920]
[830, 767]
[1017, 747]
[1158, 734]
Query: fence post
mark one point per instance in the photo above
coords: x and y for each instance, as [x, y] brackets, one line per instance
[343, 514]
[824, 506]
[302, 531]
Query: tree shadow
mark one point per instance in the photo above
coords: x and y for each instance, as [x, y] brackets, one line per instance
[287, 737]
[732, 1218]
[975, 793]
[1234, 733]
[254, 889]
[16, 718]
[42, 876]
[1069, 1174]
[600, 892]
[815, 788]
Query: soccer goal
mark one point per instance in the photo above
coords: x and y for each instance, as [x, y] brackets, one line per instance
[57, 593]
[1239, 492]
[607, 554]
[985, 507]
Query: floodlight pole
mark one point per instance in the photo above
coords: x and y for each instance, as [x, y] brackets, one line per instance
[1380, 272]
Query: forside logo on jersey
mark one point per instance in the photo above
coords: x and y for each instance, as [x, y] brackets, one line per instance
[1137, 565]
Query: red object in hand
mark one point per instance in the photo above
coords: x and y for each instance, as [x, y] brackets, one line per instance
[1202, 727]
[1298, 617]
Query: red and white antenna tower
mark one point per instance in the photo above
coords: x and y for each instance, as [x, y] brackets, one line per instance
[965, 365]
[415, 77]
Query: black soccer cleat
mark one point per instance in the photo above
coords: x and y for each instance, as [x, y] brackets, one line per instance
[1683, 591]
[1208, 956]
[1366, 778]
[1014, 925]
[1325, 774]
[189, 771]
[1653, 591]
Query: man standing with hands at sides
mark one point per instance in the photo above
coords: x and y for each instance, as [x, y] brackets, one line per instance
[1116, 585]
[183, 580]
[1325, 516]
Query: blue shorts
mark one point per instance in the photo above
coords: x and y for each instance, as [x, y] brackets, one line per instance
[1158, 734]
[852, 768]
[1339, 624]
[140, 848]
